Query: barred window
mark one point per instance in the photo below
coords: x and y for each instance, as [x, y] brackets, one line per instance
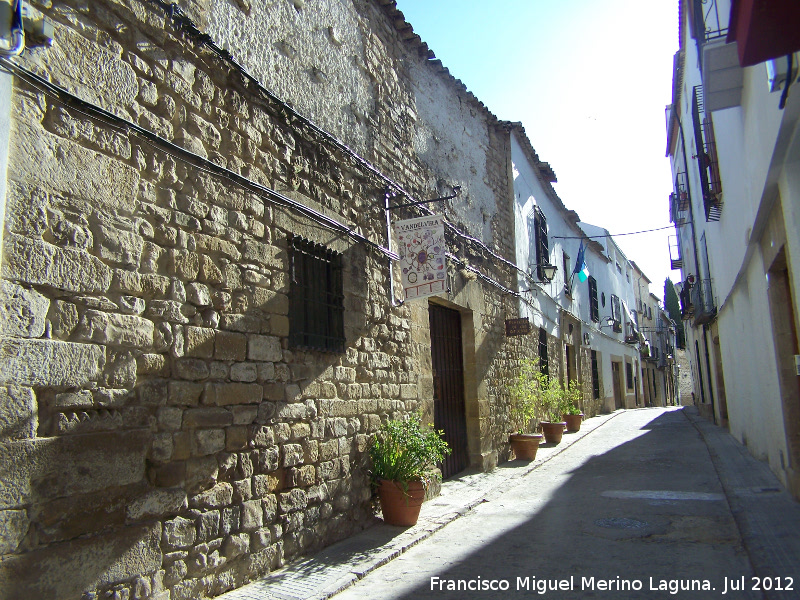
[616, 313]
[544, 365]
[316, 307]
[539, 248]
[594, 310]
[629, 375]
[595, 377]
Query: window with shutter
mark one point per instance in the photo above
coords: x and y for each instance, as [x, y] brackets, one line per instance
[542, 244]
[616, 313]
[594, 309]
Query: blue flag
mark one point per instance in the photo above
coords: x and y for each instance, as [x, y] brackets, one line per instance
[580, 264]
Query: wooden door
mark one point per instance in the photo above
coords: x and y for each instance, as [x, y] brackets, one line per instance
[616, 374]
[449, 412]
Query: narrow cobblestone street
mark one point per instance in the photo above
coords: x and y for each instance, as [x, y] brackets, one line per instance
[646, 500]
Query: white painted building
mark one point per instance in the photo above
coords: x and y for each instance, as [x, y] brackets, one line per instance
[733, 135]
[592, 319]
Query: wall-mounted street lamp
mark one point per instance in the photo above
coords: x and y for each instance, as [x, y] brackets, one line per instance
[548, 272]
[610, 322]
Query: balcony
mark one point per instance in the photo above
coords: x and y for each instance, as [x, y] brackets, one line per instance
[708, 165]
[702, 299]
[723, 77]
[675, 259]
[687, 303]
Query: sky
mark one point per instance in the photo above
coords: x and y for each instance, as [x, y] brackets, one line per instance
[589, 80]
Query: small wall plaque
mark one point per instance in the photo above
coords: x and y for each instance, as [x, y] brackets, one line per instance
[518, 327]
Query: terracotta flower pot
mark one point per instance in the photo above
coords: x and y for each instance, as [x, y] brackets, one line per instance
[573, 422]
[525, 445]
[400, 507]
[553, 432]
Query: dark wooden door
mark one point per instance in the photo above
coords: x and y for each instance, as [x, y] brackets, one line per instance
[448, 386]
[616, 373]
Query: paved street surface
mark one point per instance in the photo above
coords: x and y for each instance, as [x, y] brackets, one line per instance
[639, 504]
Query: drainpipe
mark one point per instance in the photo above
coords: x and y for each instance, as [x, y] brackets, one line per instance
[696, 268]
[386, 198]
[11, 26]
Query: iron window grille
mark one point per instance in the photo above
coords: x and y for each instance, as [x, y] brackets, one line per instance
[544, 365]
[616, 314]
[595, 376]
[629, 375]
[594, 309]
[539, 244]
[316, 300]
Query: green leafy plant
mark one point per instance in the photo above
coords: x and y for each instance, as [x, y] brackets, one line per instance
[404, 450]
[526, 395]
[535, 394]
[572, 399]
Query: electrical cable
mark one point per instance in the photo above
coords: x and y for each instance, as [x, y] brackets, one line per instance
[613, 235]
[184, 155]
[174, 12]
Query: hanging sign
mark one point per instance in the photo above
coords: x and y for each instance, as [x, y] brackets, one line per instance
[518, 326]
[422, 260]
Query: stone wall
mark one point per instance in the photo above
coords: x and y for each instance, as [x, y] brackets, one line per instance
[160, 438]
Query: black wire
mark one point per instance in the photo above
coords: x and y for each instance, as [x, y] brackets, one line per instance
[583, 237]
[184, 155]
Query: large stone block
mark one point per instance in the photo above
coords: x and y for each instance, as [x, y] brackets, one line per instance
[264, 348]
[39, 263]
[121, 247]
[66, 570]
[73, 171]
[116, 329]
[230, 346]
[13, 525]
[18, 414]
[22, 311]
[43, 363]
[224, 394]
[156, 504]
[46, 468]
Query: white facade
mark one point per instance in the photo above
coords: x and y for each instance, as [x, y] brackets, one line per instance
[740, 236]
[567, 314]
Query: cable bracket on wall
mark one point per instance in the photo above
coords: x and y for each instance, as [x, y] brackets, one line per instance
[455, 194]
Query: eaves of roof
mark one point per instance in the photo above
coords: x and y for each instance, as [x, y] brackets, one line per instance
[416, 44]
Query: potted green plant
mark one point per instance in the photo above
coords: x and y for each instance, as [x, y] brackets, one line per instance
[403, 454]
[572, 414]
[525, 400]
[553, 404]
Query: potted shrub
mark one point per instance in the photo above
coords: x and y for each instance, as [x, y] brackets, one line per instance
[572, 414]
[525, 400]
[403, 454]
[552, 409]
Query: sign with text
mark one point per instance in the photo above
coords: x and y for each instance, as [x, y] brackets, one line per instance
[422, 260]
[518, 327]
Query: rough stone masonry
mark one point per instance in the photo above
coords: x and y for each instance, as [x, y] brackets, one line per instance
[159, 437]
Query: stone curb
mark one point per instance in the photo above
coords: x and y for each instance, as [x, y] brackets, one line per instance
[341, 565]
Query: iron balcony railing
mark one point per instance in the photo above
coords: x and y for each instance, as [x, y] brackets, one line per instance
[707, 162]
[686, 300]
[710, 23]
[675, 260]
[705, 308]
